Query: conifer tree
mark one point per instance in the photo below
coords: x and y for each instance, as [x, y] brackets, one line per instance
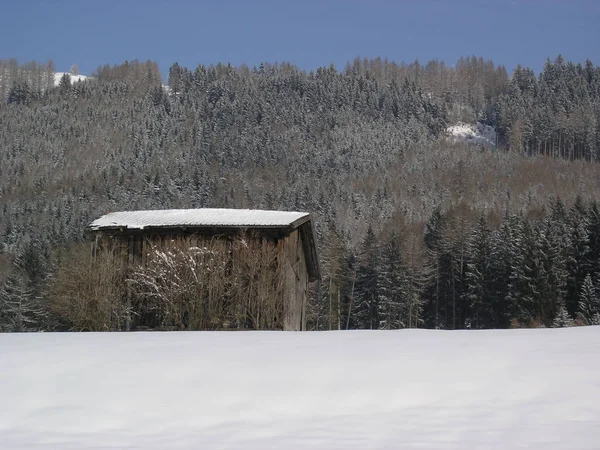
[366, 313]
[19, 93]
[589, 303]
[19, 309]
[480, 278]
[65, 82]
[527, 274]
[562, 319]
[393, 286]
[577, 263]
[446, 265]
[552, 252]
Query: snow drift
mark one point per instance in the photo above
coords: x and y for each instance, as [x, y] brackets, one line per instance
[272, 390]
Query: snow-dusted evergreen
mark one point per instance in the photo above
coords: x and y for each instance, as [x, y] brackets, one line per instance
[589, 303]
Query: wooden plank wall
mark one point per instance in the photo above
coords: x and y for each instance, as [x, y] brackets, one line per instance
[296, 282]
[295, 271]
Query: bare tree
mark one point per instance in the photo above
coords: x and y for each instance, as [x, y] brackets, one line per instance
[89, 293]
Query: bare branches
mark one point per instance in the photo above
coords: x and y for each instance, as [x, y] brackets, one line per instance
[201, 284]
[89, 294]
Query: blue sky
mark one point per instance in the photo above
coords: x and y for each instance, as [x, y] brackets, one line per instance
[307, 33]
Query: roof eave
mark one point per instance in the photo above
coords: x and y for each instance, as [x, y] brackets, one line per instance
[309, 238]
[291, 226]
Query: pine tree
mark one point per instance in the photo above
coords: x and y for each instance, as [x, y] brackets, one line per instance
[393, 286]
[19, 93]
[366, 313]
[589, 302]
[480, 278]
[175, 74]
[503, 249]
[526, 275]
[562, 319]
[578, 261]
[552, 252]
[22, 306]
[19, 309]
[436, 309]
[593, 232]
[333, 284]
[65, 83]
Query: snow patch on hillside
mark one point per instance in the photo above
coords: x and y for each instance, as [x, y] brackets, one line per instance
[476, 134]
[408, 389]
[74, 78]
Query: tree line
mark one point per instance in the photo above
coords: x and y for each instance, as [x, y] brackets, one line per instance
[524, 271]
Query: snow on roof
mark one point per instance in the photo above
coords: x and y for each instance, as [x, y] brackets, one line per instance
[199, 217]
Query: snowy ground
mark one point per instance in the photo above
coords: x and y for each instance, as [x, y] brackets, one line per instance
[74, 78]
[477, 134]
[273, 390]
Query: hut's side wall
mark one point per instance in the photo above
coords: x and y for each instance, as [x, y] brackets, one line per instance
[296, 282]
[294, 271]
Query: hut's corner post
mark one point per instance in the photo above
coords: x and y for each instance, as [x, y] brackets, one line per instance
[289, 284]
[304, 302]
[94, 245]
[128, 313]
[130, 260]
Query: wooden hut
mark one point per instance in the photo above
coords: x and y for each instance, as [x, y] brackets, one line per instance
[291, 232]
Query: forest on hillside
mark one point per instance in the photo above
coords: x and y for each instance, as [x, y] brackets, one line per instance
[414, 229]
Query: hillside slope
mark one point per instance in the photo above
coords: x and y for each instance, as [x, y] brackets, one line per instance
[367, 150]
[272, 390]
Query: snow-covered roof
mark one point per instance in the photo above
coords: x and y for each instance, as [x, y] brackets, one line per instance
[168, 219]
[206, 217]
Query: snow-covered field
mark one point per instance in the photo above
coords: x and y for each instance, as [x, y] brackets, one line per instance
[476, 134]
[406, 389]
[74, 78]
